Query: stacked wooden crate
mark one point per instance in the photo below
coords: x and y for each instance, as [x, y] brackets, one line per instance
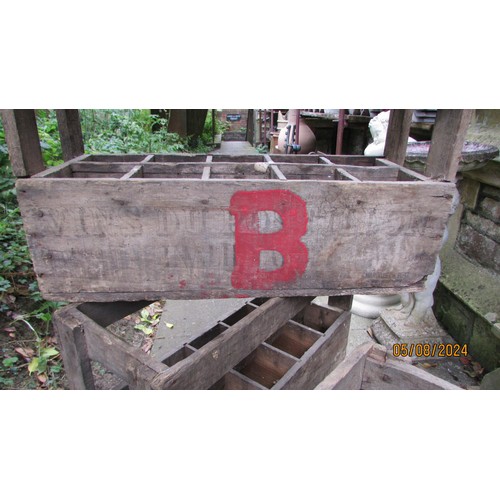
[117, 229]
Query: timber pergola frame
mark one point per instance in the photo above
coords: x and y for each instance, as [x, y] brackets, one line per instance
[23, 142]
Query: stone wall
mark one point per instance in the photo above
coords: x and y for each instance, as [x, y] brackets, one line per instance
[479, 234]
[467, 298]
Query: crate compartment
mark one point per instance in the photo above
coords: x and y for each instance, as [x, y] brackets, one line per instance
[282, 158]
[266, 365]
[239, 314]
[186, 170]
[208, 336]
[222, 158]
[307, 171]
[353, 160]
[234, 381]
[236, 171]
[113, 158]
[294, 339]
[178, 158]
[317, 317]
[183, 353]
[375, 173]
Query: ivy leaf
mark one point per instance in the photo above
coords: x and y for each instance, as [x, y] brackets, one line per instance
[8, 362]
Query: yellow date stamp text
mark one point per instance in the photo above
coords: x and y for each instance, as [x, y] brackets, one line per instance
[404, 350]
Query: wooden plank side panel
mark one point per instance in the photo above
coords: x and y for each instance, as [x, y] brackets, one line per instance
[398, 375]
[73, 344]
[127, 362]
[349, 374]
[105, 240]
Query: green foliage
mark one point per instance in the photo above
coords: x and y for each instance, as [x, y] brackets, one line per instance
[17, 278]
[135, 131]
[150, 317]
[16, 271]
[48, 132]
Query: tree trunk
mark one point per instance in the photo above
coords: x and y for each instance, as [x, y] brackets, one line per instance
[187, 122]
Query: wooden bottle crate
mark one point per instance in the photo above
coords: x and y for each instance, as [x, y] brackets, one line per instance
[267, 344]
[105, 228]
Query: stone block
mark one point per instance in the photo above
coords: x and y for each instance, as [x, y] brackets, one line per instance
[483, 225]
[453, 314]
[490, 208]
[484, 345]
[479, 248]
[491, 380]
[491, 192]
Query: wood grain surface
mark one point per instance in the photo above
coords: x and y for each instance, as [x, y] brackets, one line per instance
[135, 239]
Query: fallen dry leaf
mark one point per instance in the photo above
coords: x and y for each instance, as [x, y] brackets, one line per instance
[42, 378]
[425, 364]
[27, 353]
[477, 367]
[147, 345]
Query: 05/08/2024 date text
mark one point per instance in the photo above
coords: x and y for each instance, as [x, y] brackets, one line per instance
[429, 350]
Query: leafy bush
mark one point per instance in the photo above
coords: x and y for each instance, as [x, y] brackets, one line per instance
[134, 131]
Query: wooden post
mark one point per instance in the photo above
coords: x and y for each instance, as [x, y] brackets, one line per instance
[70, 131]
[397, 135]
[71, 336]
[448, 139]
[340, 132]
[213, 126]
[23, 142]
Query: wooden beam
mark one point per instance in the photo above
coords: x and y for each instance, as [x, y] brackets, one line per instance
[397, 135]
[70, 131]
[23, 142]
[448, 139]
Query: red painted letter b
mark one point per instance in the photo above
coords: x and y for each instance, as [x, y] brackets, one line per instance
[249, 241]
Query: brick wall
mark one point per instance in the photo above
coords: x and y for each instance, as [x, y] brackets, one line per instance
[237, 129]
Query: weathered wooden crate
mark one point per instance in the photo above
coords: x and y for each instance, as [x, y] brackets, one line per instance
[105, 228]
[267, 344]
[369, 367]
